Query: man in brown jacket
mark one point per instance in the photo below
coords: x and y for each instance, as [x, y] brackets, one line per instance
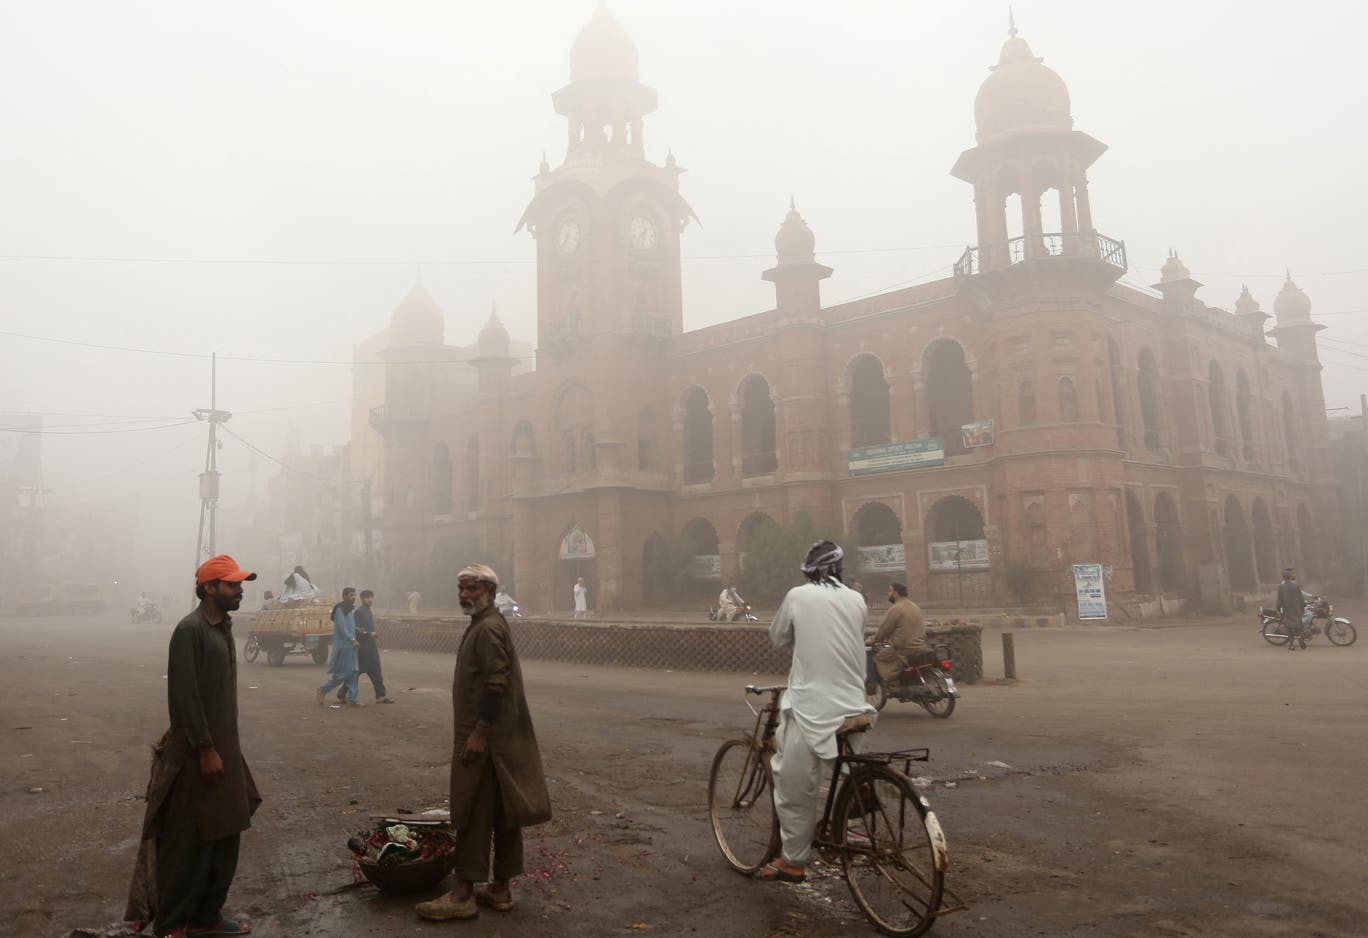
[497, 784]
[903, 629]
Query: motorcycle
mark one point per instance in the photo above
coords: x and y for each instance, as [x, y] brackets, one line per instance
[508, 606]
[1339, 630]
[926, 680]
[149, 613]
[742, 614]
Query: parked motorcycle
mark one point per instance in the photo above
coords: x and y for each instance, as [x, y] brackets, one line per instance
[926, 680]
[149, 613]
[1338, 629]
[742, 614]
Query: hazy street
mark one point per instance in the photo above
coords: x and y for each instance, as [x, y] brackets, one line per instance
[1175, 781]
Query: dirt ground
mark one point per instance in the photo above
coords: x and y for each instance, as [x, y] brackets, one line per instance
[1184, 780]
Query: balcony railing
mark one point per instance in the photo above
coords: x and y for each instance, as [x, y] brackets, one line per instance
[987, 257]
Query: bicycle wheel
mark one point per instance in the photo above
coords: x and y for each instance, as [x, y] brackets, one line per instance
[893, 853]
[251, 649]
[741, 805]
[1341, 632]
[944, 704]
[1274, 633]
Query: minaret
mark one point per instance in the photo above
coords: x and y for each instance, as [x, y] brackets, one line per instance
[797, 277]
[1177, 285]
[1295, 332]
[1250, 313]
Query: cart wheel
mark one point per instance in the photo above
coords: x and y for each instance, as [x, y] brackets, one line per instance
[320, 652]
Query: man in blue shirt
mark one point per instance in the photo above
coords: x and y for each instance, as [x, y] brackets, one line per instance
[343, 666]
[368, 651]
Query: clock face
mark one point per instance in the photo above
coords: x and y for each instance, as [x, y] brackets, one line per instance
[642, 233]
[568, 237]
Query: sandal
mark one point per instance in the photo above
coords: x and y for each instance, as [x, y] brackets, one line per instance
[769, 873]
[225, 926]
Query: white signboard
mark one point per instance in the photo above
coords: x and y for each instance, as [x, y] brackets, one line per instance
[883, 558]
[707, 566]
[1091, 590]
[958, 555]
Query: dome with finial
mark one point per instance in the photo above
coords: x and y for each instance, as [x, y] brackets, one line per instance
[1291, 303]
[1021, 94]
[1174, 269]
[1246, 304]
[603, 51]
[795, 241]
[417, 320]
[493, 341]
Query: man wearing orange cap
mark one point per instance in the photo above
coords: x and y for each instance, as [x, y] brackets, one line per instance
[201, 796]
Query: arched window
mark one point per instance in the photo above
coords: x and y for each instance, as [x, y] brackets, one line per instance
[949, 392]
[698, 436]
[472, 473]
[1244, 405]
[1068, 400]
[1169, 538]
[876, 528]
[574, 429]
[1238, 546]
[758, 456]
[869, 405]
[524, 443]
[1147, 383]
[1118, 385]
[1219, 399]
[1265, 547]
[441, 479]
[954, 518]
[1139, 544]
[1290, 440]
[1026, 404]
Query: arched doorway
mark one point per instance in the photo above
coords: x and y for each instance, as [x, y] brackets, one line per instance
[1239, 557]
[1265, 548]
[576, 556]
[949, 392]
[758, 454]
[754, 524]
[957, 553]
[869, 401]
[1139, 544]
[661, 574]
[698, 436]
[704, 558]
[1169, 541]
[878, 539]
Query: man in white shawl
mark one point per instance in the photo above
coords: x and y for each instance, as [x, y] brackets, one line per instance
[823, 621]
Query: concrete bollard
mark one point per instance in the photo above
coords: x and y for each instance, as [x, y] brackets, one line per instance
[1009, 656]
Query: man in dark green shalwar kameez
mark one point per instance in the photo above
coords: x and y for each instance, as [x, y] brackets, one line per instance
[497, 785]
[201, 795]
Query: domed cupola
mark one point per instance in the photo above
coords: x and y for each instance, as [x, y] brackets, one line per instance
[1292, 305]
[795, 243]
[1021, 95]
[493, 341]
[1174, 269]
[603, 51]
[417, 320]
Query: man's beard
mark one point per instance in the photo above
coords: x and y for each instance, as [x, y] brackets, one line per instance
[476, 605]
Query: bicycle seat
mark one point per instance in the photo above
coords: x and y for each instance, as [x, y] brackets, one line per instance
[855, 724]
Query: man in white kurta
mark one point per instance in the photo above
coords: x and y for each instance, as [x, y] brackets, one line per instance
[581, 599]
[823, 621]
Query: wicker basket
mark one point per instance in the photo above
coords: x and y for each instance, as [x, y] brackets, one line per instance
[417, 876]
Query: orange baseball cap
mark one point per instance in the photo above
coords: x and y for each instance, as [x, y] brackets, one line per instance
[223, 568]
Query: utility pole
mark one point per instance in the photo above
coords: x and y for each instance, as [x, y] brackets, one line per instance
[209, 478]
[1362, 500]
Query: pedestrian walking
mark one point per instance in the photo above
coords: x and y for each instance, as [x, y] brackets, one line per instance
[367, 650]
[497, 784]
[201, 795]
[581, 599]
[343, 667]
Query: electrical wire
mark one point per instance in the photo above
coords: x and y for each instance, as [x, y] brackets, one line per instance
[282, 464]
[46, 432]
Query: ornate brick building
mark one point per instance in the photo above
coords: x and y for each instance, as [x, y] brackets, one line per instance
[1027, 413]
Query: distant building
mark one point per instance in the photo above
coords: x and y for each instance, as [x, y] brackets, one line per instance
[1025, 414]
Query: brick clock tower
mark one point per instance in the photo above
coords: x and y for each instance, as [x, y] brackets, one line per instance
[607, 225]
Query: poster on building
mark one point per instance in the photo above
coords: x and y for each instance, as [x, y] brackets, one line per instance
[21, 449]
[958, 555]
[882, 558]
[1091, 591]
[577, 545]
[707, 566]
[890, 457]
[977, 434]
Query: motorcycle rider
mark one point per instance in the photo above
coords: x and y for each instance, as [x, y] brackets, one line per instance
[904, 631]
[144, 605]
[1291, 605]
[729, 604]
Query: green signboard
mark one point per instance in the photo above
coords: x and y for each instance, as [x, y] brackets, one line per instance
[889, 457]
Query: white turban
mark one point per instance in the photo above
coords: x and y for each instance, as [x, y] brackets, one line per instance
[478, 571]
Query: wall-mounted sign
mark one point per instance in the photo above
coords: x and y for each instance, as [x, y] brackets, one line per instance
[1091, 590]
[977, 434]
[883, 558]
[889, 457]
[707, 566]
[958, 555]
[577, 545]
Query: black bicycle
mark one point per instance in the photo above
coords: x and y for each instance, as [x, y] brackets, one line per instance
[876, 824]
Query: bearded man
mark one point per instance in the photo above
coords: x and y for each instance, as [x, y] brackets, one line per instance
[497, 784]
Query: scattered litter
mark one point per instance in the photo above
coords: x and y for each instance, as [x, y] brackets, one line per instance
[251, 687]
[921, 781]
[26, 755]
[35, 790]
[999, 765]
[63, 719]
[334, 706]
[595, 813]
[619, 815]
[82, 741]
[952, 784]
[22, 727]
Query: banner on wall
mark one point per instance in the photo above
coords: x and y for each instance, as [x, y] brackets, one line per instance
[707, 566]
[882, 558]
[958, 555]
[977, 434]
[1091, 591]
[889, 457]
[577, 545]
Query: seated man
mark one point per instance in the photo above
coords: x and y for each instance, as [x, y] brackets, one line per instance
[729, 604]
[903, 629]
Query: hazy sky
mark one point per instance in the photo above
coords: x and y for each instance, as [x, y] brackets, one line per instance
[342, 143]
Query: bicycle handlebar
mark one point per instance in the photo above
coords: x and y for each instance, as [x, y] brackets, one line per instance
[752, 689]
